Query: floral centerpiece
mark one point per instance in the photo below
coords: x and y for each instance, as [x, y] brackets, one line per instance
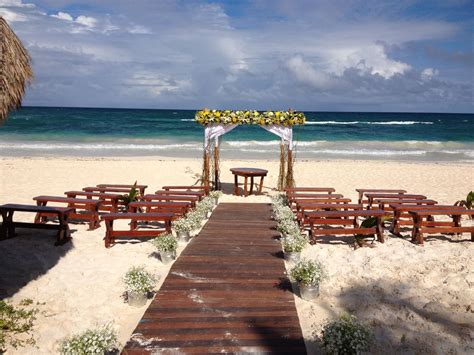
[308, 274]
[166, 245]
[285, 118]
[138, 282]
[101, 340]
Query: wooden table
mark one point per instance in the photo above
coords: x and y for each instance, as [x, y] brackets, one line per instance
[246, 173]
[7, 229]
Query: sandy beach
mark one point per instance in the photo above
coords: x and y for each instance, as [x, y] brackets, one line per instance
[419, 299]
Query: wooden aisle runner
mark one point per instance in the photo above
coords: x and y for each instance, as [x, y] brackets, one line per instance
[223, 294]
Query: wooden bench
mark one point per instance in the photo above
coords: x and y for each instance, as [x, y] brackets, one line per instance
[140, 188]
[322, 222]
[111, 234]
[121, 191]
[205, 189]
[169, 198]
[306, 211]
[179, 209]
[199, 194]
[110, 202]
[402, 217]
[372, 196]
[8, 226]
[90, 209]
[292, 190]
[362, 192]
[421, 226]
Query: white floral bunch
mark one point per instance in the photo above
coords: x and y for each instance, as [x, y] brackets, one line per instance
[288, 227]
[183, 225]
[165, 243]
[205, 205]
[215, 194]
[279, 200]
[294, 243]
[138, 280]
[92, 341]
[347, 335]
[308, 273]
[195, 217]
[283, 213]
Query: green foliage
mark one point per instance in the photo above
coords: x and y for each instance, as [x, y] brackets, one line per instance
[92, 341]
[468, 202]
[346, 335]
[165, 243]
[138, 280]
[14, 322]
[132, 196]
[308, 273]
[369, 222]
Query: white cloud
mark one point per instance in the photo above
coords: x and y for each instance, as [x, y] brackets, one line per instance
[428, 74]
[86, 21]
[63, 16]
[12, 16]
[137, 29]
[306, 74]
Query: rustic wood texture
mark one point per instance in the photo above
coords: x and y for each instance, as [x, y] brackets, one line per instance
[224, 294]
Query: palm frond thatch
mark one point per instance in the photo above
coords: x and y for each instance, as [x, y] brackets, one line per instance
[15, 70]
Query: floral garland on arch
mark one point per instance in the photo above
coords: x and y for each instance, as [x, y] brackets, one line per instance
[284, 118]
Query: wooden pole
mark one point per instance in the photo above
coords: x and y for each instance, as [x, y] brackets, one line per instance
[290, 181]
[281, 174]
[217, 183]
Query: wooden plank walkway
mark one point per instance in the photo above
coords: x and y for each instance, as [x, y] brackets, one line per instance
[224, 293]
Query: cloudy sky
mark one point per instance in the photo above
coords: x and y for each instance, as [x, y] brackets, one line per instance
[367, 55]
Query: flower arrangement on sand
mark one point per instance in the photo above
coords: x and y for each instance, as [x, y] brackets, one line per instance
[138, 280]
[347, 335]
[284, 118]
[101, 340]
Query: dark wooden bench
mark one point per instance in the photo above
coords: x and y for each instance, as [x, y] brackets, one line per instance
[402, 217]
[8, 226]
[105, 190]
[111, 234]
[140, 188]
[306, 210]
[362, 192]
[198, 194]
[110, 201]
[290, 191]
[89, 207]
[179, 209]
[423, 222]
[296, 204]
[169, 198]
[372, 196]
[346, 222]
[187, 188]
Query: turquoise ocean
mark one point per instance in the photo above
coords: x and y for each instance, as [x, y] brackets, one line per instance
[54, 131]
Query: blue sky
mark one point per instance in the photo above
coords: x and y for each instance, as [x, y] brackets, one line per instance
[262, 54]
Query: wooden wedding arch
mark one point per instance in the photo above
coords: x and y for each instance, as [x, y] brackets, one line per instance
[219, 122]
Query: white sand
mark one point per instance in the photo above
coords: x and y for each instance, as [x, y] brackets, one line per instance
[419, 298]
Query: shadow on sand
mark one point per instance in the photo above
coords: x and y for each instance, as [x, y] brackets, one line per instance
[26, 257]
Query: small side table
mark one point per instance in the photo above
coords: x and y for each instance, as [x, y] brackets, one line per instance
[246, 173]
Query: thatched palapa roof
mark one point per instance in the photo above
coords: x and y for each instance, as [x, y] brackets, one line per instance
[15, 70]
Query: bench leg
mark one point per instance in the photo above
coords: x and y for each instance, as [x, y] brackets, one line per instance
[251, 185]
[245, 186]
[7, 229]
[379, 229]
[236, 185]
[261, 186]
[64, 234]
[109, 228]
[417, 236]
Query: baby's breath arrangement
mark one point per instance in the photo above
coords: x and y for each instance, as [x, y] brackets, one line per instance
[283, 213]
[288, 227]
[205, 205]
[195, 217]
[279, 200]
[308, 273]
[92, 341]
[215, 194]
[293, 244]
[138, 280]
[183, 225]
[347, 335]
[165, 243]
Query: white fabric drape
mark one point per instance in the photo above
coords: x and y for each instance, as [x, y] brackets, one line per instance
[285, 133]
[215, 131]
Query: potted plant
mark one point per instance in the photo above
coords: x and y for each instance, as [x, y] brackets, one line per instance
[102, 340]
[132, 196]
[205, 206]
[138, 283]
[288, 227]
[347, 335]
[183, 228]
[293, 246]
[166, 245]
[308, 274]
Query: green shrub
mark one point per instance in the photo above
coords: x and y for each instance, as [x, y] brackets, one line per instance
[15, 321]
